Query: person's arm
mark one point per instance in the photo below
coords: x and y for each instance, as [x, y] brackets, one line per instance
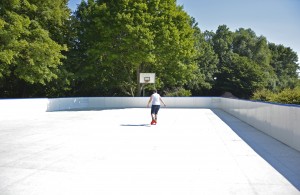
[162, 101]
[149, 101]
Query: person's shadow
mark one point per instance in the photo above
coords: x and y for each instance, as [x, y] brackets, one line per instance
[135, 125]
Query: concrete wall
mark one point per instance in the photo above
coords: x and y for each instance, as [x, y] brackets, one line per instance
[82, 103]
[96, 103]
[279, 121]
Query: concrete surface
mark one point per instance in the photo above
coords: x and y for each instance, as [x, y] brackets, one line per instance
[277, 120]
[110, 152]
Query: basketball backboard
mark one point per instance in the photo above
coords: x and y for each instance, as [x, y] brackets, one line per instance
[147, 77]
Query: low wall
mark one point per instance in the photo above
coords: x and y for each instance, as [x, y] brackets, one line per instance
[90, 103]
[279, 121]
[96, 103]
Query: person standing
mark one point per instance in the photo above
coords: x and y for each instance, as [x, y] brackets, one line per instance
[155, 99]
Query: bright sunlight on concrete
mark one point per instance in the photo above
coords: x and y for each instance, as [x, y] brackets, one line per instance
[117, 152]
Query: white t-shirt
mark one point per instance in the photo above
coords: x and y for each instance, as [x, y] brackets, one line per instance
[155, 99]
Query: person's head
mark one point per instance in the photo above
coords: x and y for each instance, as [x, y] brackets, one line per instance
[154, 91]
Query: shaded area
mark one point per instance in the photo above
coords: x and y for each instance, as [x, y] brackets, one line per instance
[283, 158]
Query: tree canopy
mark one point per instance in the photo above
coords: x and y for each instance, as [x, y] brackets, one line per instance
[100, 49]
[119, 39]
[29, 53]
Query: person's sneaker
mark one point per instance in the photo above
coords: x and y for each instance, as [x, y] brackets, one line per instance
[153, 122]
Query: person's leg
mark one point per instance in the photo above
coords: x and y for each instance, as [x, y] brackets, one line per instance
[156, 112]
[153, 117]
[152, 114]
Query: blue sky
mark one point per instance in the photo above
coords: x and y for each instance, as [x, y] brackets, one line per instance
[277, 20]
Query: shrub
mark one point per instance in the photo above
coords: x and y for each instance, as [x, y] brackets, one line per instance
[178, 92]
[286, 96]
[263, 95]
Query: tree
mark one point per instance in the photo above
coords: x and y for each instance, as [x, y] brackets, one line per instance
[114, 40]
[207, 61]
[174, 41]
[243, 62]
[241, 76]
[120, 39]
[222, 42]
[284, 62]
[28, 52]
[222, 45]
[246, 43]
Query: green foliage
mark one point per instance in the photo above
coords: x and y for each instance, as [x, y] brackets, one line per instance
[118, 40]
[284, 63]
[248, 63]
[222, 43]
[114, 40]
[28, 53]
[247, 44]
[174, 46]
[263, 95]
[239, 70]
[101, 49]
[286, 96]
[240, 76]
[178, 92]
[207, 61]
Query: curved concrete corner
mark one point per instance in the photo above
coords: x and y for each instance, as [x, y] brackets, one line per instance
[279, 121]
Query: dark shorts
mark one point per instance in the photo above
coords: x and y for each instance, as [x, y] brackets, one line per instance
[155, 109]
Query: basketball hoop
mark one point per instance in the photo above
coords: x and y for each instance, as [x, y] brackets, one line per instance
[146, 79]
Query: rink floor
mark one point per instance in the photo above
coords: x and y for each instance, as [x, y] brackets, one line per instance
[117, 152]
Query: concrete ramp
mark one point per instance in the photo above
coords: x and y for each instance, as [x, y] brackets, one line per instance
[117, 152]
